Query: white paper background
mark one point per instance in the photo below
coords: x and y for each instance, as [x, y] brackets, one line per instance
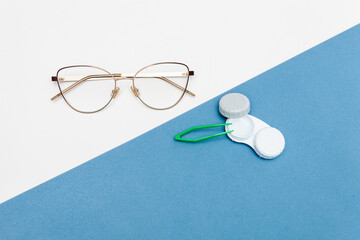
[225, 42]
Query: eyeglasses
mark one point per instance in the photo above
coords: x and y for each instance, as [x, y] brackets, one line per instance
[89, 89]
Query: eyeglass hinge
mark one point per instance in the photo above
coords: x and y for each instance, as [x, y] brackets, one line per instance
[55, 78]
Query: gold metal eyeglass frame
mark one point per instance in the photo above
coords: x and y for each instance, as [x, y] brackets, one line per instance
[120, 76]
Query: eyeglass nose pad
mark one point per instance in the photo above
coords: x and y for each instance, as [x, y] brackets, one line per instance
[115, 92]
[135, 91]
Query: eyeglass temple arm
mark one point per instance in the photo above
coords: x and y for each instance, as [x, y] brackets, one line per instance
[119, 77]
[176, 85]
[54, 78]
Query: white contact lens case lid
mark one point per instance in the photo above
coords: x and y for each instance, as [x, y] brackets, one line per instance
[234, 105]
[266, 141]
[269, 143]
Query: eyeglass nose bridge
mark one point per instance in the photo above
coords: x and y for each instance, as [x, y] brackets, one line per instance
[134, 90]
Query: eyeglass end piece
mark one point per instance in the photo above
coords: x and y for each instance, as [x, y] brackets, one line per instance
[191, 73]
[54, 78]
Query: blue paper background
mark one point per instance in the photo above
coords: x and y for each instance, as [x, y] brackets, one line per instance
[155, 188]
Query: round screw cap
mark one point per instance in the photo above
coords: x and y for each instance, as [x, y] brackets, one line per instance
[269, 143]
[234, 105]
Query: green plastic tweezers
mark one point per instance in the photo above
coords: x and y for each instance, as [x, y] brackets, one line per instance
[178, 137]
